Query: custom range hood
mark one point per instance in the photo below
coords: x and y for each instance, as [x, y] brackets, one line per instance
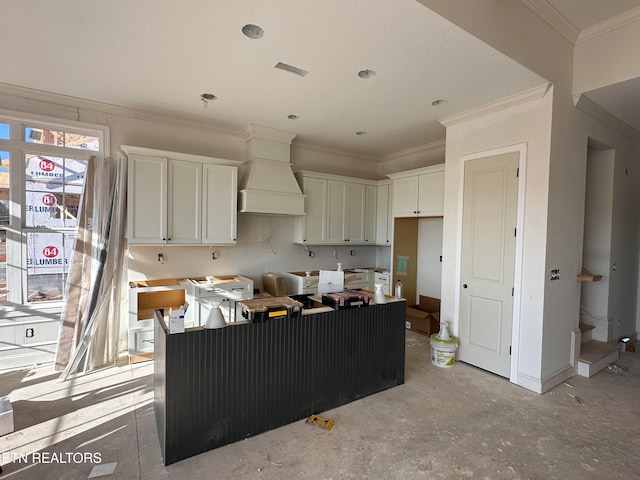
[267, 184]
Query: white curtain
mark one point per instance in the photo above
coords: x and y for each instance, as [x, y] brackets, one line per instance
[99, 334]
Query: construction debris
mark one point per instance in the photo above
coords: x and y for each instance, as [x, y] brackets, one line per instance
[319, 422]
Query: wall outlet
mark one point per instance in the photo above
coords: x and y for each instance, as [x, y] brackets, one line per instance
[352, 252]
[311, 254]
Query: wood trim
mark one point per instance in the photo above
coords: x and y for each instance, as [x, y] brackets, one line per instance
[534, 93]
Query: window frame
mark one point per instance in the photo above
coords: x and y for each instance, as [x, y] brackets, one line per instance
[18, 148]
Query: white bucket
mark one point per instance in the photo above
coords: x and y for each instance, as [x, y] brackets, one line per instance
[443, 352]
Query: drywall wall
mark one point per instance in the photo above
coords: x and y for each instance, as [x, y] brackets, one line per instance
[596, 256]
[572, 131]
[526, 124]
[429, 280]
[424, 156]
[264, 245]
[595, 66]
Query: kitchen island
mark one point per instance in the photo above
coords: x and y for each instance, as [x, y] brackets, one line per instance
[214, 387]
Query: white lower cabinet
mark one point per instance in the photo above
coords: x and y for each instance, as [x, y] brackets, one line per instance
[383, 279]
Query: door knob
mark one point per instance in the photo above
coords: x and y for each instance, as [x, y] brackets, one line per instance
[464, 285]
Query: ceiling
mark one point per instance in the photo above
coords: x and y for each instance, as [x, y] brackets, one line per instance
[161, 60]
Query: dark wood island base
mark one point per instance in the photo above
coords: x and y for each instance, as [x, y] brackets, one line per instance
[214, 387]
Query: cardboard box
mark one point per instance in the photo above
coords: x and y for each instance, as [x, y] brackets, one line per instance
[176, 319]
[274, 284]
[425, 317]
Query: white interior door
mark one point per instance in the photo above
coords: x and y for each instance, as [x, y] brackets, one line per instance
[489, 216]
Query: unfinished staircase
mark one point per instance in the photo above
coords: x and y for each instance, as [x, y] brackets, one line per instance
[594, 355]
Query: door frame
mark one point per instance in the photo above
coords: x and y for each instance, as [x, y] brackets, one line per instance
[521, 149]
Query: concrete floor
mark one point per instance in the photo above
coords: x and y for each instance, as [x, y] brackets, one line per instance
[454, 423]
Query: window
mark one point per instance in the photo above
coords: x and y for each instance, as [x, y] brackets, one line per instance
[42, 183]
[4, 213]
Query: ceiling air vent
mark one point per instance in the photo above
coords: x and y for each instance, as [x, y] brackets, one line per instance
[290, 68]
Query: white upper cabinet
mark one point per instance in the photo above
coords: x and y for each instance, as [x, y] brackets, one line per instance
[384, 214]
[345, 212]
[147, 202]
[338, 210]
[419, 193]
[180, 199]
[370, 214]
[219, 200]
[184, 202]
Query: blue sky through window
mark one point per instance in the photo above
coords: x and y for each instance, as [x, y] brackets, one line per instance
[4, 131]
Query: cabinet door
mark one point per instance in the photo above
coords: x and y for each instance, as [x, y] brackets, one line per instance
[383, 279]
[405, 197]
[431, 194]
[314, 223]
[147, 199]
[219, 204]
[336, 208]
[390, 217]
[382, 213]
[354, 216]
[370, 214]
[184, 202]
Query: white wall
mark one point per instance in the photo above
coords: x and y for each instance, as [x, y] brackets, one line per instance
[529, 124]
[251, 256]
[596, 256]
[595, 66]
[429, 280]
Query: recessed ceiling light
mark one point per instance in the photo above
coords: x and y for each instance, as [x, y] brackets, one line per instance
[367, 73]
[293, 117]
[361, 133]
[437, 103]
[206, 98]
[252, 31]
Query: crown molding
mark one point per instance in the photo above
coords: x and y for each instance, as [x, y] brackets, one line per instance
[331, 151]
[591, 108]
[606, 26]
[268, 133]
[428, 148]
[519, 98]
[91, 105]
[552, 17]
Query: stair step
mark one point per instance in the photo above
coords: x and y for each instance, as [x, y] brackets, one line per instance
[595, 356]
[586, 332]
[585, 327]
